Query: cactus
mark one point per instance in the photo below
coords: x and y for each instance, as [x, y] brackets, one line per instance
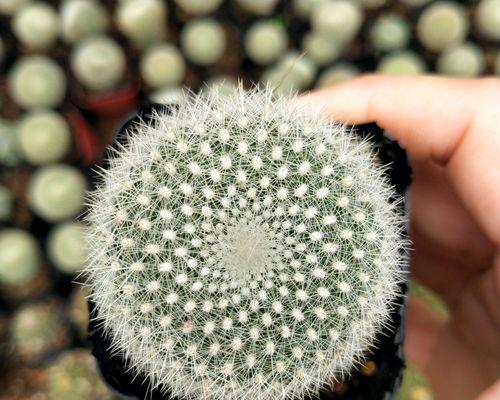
[82, 18]
[292, 73]
[265, 42]
[44, 137]
[73, 376]
[9, 7]
[243, 246]
[56, 192]
[66, 247]
[98, 63]
[36, 25]
[19, 257]
[339, 19]
[339, 72]
[203, 41]
[142, 21]
[441, 14]
[37, 82]
[463, 60]
[39, 330]
[487, 19]
[390, 32]
[162, 65]
[321, 48]
[402, 63]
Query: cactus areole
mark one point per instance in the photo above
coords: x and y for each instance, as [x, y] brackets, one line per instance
[243, 247]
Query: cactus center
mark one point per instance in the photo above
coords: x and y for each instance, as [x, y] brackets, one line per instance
[248, 250]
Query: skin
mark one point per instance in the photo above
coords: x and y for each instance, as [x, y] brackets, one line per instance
[450, 129]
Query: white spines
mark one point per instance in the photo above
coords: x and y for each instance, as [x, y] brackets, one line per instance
[255, 256]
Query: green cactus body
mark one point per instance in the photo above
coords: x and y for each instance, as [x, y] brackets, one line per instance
[402, 63]
[36, 25]
[243, 247]
[98, 63]
[74, 376]
[37, 82]
[82, 18]
[39, 330]
[19, 257]
[339, 72]
[66, 247]
[44, 137]
[142, 21]
[56, 192]
[162, 65]
[203, 41]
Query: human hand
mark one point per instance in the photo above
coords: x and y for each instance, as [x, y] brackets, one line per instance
[450, 129]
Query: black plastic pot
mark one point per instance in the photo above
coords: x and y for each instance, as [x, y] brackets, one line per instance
[382, 383]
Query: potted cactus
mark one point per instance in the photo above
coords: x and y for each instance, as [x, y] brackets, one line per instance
[241, 246]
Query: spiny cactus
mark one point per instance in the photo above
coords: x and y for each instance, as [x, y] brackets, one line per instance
[243, 247]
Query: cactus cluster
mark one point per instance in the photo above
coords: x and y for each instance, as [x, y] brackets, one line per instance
[243, 246]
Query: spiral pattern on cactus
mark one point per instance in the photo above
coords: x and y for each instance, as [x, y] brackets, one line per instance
[244, 247]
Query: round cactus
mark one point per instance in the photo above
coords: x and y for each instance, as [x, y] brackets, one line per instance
[321, 48]
[487, 19]
[73, 376]
[292, 73]
[338, 73]
[203, 41]
[402, 63]
[265, 41]
[66, 247]
[162, 65]
[19, 257]
[56, 192]
[464, 60]
[98, 63]
[9, 7]
[44, 136]
[389, 33]
[82, 18]
[340, 19]
[36, 25]
[37, 82]
[39, 330]
[142, 21]
[442, 24]
[243, 246]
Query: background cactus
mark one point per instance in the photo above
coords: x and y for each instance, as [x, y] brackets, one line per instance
[73, 376]
[243, 247]
[39, 330]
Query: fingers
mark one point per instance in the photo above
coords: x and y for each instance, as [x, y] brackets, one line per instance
[452, 122]
[439, 215]
[492, 393]
[433, 268]
[424, 329]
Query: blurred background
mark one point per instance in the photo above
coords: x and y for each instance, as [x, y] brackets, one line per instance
[72, 71]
